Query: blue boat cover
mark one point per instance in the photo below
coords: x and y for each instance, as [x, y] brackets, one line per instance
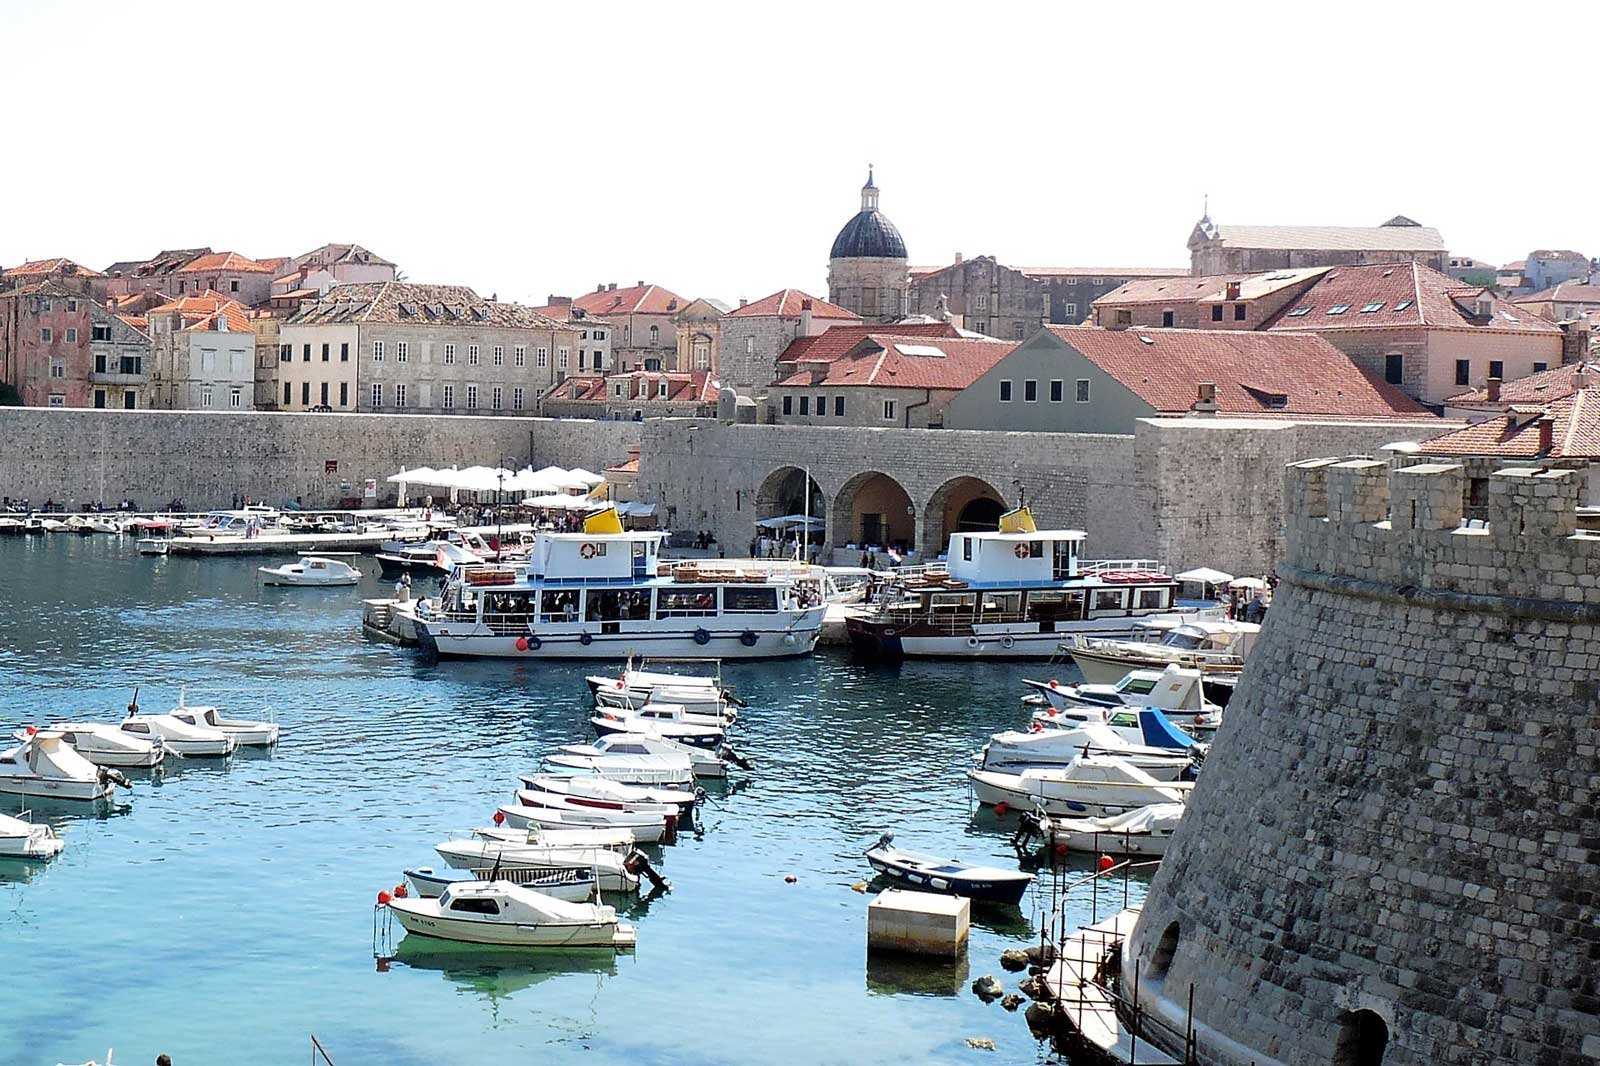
[1160, 732]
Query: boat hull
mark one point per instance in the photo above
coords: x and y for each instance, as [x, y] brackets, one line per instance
[1004, 890]
[470, 640]
[39, 844]
[414, 918]
[1107, 668]
[573, 885]
[1074, 799]
[117, 757]
[51, 788]
[882, 640]
[549, 820]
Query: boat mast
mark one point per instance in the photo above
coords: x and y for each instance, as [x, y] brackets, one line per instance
[800, 546]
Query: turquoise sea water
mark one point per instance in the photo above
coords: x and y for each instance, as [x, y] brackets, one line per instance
[223, 913]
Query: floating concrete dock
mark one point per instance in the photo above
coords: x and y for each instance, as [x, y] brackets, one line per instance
[1074, 982]
[920, 923]
[392, 620]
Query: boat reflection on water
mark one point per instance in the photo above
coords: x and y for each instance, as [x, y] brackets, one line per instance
[891, 973]
[497, 973]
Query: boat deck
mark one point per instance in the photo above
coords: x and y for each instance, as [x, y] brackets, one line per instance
[1085, 1005]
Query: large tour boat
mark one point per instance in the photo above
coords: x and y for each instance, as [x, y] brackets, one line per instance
[606, 594]
[1011, 594]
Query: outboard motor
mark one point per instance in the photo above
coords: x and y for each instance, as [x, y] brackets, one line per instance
[638, 863]
[727, 752]
[1030, 825]
[115, 777]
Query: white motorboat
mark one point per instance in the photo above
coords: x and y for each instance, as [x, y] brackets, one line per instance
[155, 537]
[22, 839]
[659, 721]
[653, 710]
[575, 884]
[659, 770]
[498, 912]
[1139, 726]
[54, 525]
[1215, 645]
[603, 812]
[588, 790]
[610, 867]
[638, 683]
[45, 765]
[1016, 750]
[9, 525]
[103, 525]
[248, 734]
[106, 745]
[1094, 785]
[1144, 831]
[316, 571]
[599, 593]
[701, 702]
[534, 837]
[702, 762]
[645, 829]
[180, 737]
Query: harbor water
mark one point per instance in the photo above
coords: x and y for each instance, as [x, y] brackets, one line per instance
[224, 910]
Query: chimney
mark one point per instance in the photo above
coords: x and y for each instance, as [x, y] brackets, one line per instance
[1580, 377]
[601, 287]
[805, 318]
[1547, 434]
[1232, 291]
[1205, 399]
[742, 301]
[1493, 388]
[641, 283]
[958, 259]
[612, 287]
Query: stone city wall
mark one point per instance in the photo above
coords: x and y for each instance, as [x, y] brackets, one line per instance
[83, 456]
[1392, 852]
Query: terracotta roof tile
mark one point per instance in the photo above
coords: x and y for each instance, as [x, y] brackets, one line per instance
[1208, 288]
[403, 302]
[693, 386]
[1545, 387]
[1387, 295]
[1516, 434]
[889, 359]
[638, 300]
[786, 303]
[229, 261]
[35, 268]
[1254, 373]
[835, 341]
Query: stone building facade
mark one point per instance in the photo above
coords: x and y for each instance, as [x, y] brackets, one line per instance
[203, 355]
[699, 333]
[755, 334]
[641, 322]
[1228, 249]
[991, 298]
[1391, 853]
[439, 349]
[235, 276]
[60, 348]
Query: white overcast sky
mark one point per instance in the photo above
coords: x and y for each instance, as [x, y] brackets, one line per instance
[530, 148]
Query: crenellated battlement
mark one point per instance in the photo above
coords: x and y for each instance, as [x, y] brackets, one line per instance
[1433, 525]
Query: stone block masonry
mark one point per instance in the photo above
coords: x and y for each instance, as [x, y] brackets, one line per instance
[206, 459]
[1392, 854]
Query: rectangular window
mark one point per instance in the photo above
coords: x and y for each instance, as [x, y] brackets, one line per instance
[1167, 318]
[737, 600]
[472, 355]
[1463, 371]
[285, 353]
[57, 400]
[472, 397]
[72, 304]
[1005, 390]
[788, 405]
[838, 407]
[599, 335]
[326, 350]
[1238, 312]
[561, 358]
[822, 405]
[44, 335]
[99, 332]
[449, 355]
[99, 397]
[235, 398]
[1069, 310]
[1030, 391]
[1057, 394]
[516, 398]
[288, 394]
[662, 388]
[1083, 390]
[1016, 331]
[399, 395]
[402, 351]
[344, 352]
[1338, 309]
[323, 388]
[344, 394]
[305, 394]
[805, 405]
[542, 357]
[581, 356]
[494, 397]
[1394, 367]
[499, 355]
[1539, 368]
[888, 410]
[1370, 308]
[377, 351]
[1216, 314]
[1497, 369]
[520, 355]
[377, 395]
[449, 398]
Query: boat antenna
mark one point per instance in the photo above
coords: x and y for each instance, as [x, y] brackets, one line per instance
[133, 704]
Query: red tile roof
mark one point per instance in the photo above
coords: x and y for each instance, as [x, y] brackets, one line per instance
[1515, 434]
[787, 303]
[638, 300]
[694, 386]
[1400, 294]
[35, 268]
[1546, 386]
[1578, 292]
[894, 360]
[201, 312]
[230, 261]
[835, 341]
[138, 322]
[1208, 288]
[1254, 373]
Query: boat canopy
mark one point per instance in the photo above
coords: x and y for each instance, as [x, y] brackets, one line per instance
[1159, 731]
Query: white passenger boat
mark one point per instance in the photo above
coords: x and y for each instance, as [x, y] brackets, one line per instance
[312, 570]
[610, 867]
[106, 745]
[717, 715]
[501, 913]
[54, 525]
[180, 737]
[248, 734]
[1094, 785]
[103, 525]
[1016, 750]
[602, 594]
[22, 839]
[44, 765]
[702, 762]
[1011, 594]
[1212, 644]
[590, 791]
[623, 814]
[644, 828]
[252, 521]
[1144, 831]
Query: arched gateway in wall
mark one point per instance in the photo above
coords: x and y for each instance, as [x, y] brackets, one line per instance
[961, 505]
[874, 510]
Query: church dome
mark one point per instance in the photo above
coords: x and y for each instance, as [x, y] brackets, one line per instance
[870, 234]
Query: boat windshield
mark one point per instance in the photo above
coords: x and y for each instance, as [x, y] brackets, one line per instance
[1136, 685]
[1184, 638]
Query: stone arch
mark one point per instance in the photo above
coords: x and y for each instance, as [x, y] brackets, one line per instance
[1363, 1039]
[873, 508]
[962, 504]
[1166, 947]
[783, 492]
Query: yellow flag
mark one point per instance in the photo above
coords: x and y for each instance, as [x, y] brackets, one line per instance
[606, 521]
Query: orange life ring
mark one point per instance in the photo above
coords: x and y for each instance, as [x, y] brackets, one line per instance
[1020, 551]
[588, 551]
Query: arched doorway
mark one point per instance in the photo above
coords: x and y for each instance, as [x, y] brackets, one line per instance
[960, 505]
[784, 495]
[873, 510]
[1363, 1038]
[1161, 961]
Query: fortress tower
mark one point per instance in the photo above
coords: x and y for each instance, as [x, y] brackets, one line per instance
[1393, 854]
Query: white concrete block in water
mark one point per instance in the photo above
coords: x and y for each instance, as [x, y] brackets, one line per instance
[920, 922]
